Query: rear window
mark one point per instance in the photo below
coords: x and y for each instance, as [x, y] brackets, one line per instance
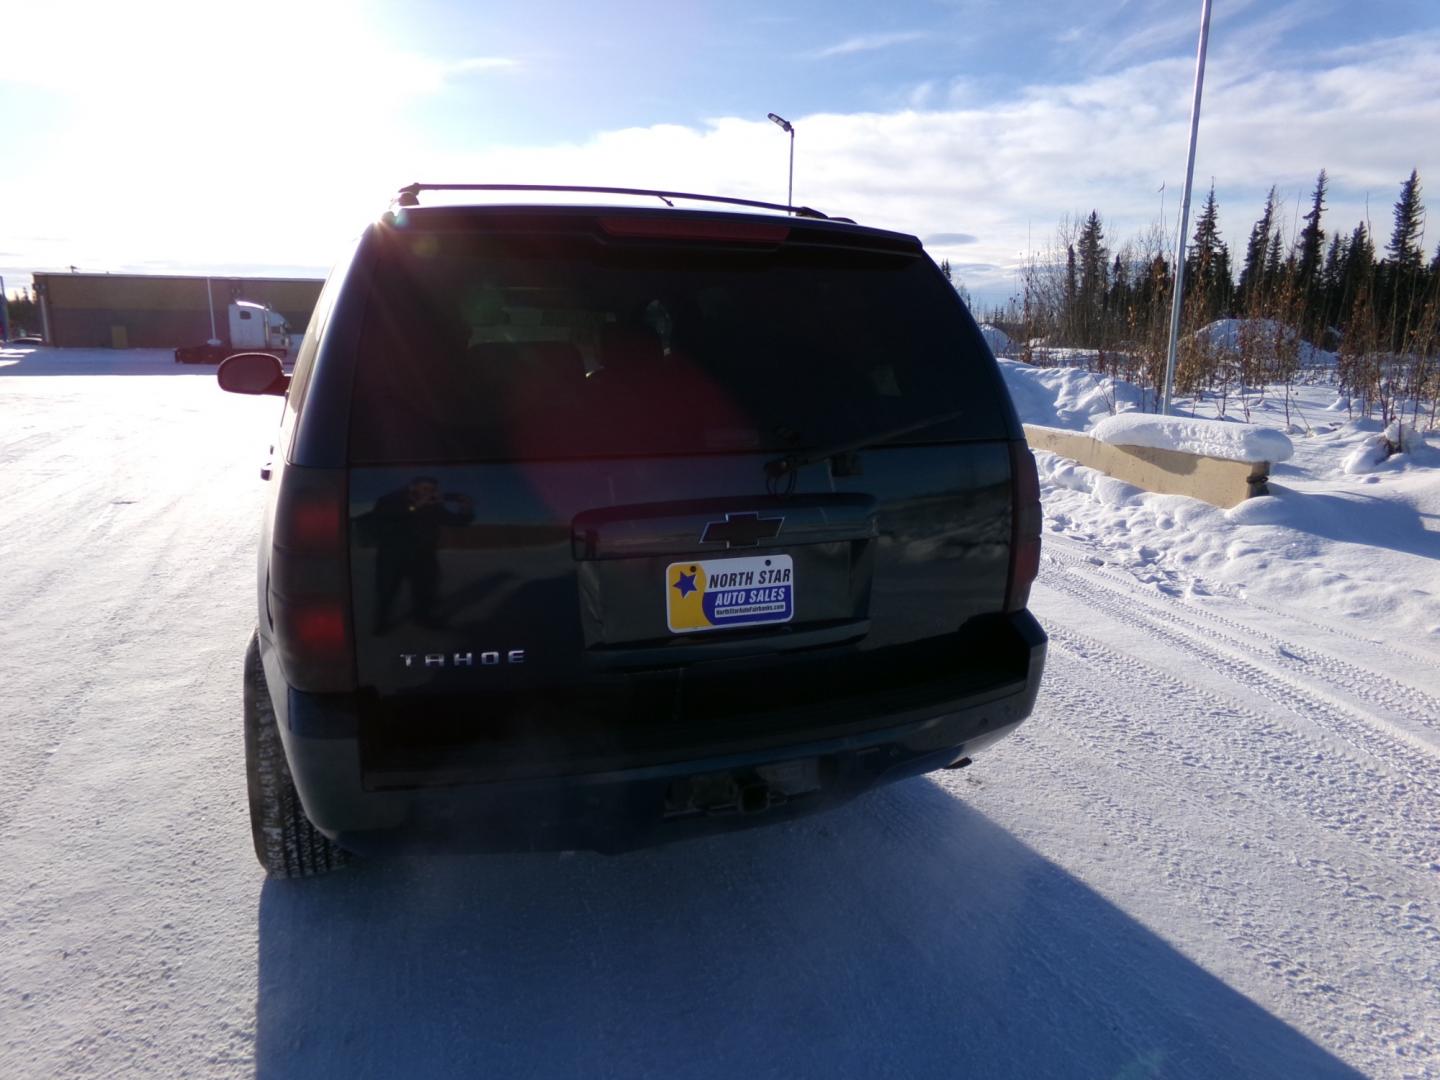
[483, 347]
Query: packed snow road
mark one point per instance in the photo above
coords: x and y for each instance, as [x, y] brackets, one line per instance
[1213, 851]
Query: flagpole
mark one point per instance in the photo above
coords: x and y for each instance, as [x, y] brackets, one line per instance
[1179, 298]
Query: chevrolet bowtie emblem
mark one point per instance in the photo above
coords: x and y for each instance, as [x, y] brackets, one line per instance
[741, 530]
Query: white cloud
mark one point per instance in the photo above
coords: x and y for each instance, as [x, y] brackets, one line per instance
[920, 96]
[869, 43]
[480, 63]
[1013, 168]
[999, 173]
[1172, 30]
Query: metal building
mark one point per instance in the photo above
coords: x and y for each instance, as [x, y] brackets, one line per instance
[127, 311]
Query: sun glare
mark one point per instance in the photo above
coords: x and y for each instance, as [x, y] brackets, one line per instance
[188, 126]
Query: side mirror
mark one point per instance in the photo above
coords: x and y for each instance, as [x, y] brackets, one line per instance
[252, 373]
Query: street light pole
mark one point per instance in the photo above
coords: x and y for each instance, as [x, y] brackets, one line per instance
[788, 127]
[1179, 298]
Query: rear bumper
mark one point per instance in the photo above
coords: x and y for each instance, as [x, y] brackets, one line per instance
[623, 808]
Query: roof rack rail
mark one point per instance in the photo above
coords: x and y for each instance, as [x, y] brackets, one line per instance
[409, 195]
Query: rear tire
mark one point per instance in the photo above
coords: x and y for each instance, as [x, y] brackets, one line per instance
[286, 844]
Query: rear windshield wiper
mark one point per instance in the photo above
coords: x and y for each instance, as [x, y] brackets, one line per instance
[782, 466]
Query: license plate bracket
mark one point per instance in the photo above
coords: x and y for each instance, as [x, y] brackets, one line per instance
[719, 594]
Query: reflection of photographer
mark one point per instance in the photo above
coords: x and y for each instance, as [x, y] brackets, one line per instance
[406, 527]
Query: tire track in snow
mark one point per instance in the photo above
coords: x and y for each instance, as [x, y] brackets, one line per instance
[1275, 762]
[1376, 688]
[1204, 882]
[1403, 754]
[1119, 564]
[1191, 820]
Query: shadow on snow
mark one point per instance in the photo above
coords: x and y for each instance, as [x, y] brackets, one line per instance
[904, 935]
[1356, 517]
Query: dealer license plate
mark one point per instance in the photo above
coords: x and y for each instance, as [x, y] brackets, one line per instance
[713, 594]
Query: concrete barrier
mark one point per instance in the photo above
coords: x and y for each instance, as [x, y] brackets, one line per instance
[1214, 480]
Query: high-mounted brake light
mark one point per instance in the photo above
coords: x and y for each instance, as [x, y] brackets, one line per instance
[691, 228]
[1025, 523]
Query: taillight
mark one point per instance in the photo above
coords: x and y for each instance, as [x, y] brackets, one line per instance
[310, 581]
[1025, 521]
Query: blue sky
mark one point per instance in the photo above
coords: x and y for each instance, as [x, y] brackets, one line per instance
[186, 136]
[631, 64]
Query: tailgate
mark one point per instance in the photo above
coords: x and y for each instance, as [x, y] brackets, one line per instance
[503, 611]
[566, 546]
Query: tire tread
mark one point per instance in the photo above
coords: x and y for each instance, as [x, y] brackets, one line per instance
[286, 843]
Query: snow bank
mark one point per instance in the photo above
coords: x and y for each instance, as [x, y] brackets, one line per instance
[1211, 438]
[1228, 334]
[1333, 544]
[1375, 450]
[1368, 456]
[1065, 397]
[1106, 490]
[997, 339]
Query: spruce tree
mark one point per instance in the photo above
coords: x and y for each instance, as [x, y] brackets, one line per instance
[1207, 233]
[1312, 238]
[1072, 289]
[1334, 258]
[1331, 281]
[1404, 247]
[1207, 264]
[1356, 270]
[1093, 255]
[1308, 257]
[1118, 296]
[1274, 263]
[1224, 277]
[1094, 264]
[1252, 274]
[1399, 285]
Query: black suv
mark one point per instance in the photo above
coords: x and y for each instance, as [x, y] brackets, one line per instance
[597, 526]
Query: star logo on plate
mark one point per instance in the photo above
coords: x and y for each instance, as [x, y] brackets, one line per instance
[685, 583]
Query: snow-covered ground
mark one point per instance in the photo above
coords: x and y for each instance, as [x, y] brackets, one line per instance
[1358, 548]
[1214, 850]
